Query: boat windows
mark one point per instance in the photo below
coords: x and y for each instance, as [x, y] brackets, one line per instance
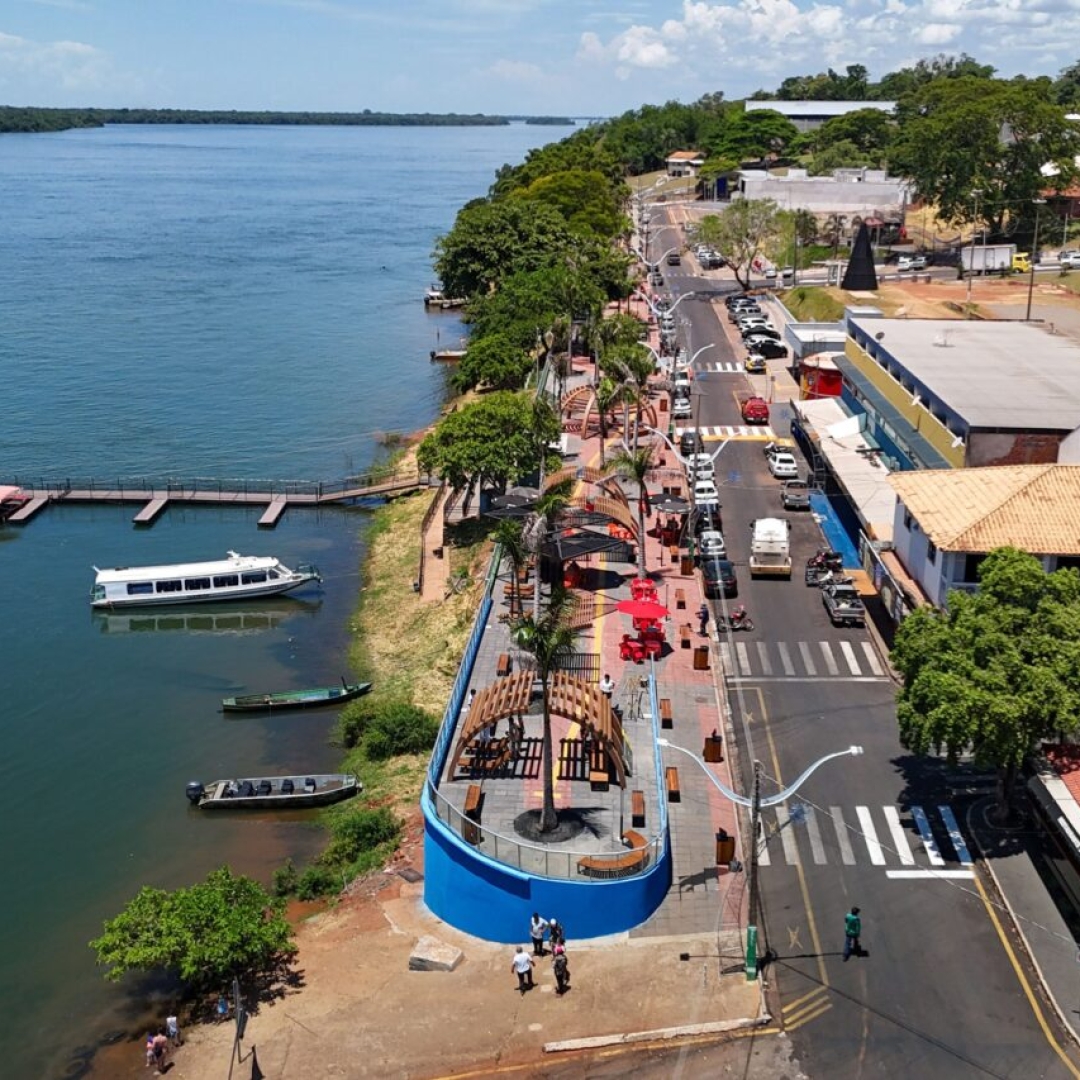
[140, 588]
[226, 581]
[255, 577]
[274, 575]
[193, 584]
[170, 586]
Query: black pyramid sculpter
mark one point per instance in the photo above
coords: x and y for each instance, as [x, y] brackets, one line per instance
[860, 275]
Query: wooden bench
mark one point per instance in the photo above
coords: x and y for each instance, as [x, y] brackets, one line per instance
[503, 666]
[633, 862]
[686, 636]
[478, 758]
[637, 809]
[666, 720]
[523, 592]
[680, 598]
[599, 777]
[671, 780]
[473, 799]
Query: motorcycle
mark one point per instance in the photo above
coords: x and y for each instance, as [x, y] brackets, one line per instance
[737, 620]
[823, 562]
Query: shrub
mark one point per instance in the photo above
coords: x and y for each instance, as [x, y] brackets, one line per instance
[358, 832]
[353, 721]
[399, 728]
[317, 881]
[285, 879]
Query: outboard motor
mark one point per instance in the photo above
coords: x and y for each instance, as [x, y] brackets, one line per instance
[194, 791]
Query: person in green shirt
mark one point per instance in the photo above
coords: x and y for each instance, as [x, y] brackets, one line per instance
[852, 930]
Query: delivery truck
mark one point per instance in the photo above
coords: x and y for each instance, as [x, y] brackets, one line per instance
[770, 548]
[994, 259]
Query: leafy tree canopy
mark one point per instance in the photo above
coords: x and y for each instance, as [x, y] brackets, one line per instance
[997, 672]
[491, 240]
[853, 85]
[226, 926]
[839, 155]
[580, 151]
[741, 233]
[869, 130]
[494, 361]
[493, 441]
[753, 135]
[969, 133]
[585, 199]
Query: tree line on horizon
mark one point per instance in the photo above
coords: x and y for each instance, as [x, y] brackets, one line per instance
[26, 120]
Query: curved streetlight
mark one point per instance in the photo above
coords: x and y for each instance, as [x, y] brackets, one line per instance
[755, 802]
[703, 348]
[666, 311]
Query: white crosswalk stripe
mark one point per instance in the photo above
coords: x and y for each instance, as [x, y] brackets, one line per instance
[723, 367]
[786, 832]
[731, 431]
[776, 661]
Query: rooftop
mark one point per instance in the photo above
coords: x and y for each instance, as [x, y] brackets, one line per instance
[1009, 375]
[1032, 507]
[685, 155]
[807, 109]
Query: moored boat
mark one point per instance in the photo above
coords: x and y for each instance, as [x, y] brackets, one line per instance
[274, 792]
[233, 578]
[295, 699]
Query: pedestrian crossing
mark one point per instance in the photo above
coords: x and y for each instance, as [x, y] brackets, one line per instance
[775, 661]
[732, 431]
[721, 367]
[920, 842]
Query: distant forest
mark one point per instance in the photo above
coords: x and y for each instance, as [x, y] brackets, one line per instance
[13, 119]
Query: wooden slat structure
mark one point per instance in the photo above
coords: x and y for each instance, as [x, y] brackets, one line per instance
[568, 696]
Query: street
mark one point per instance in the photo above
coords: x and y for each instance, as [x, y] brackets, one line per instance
[939, 990]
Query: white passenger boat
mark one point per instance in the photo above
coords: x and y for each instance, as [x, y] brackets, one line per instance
[237, 577]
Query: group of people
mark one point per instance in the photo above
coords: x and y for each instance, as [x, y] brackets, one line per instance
[159, 1043]
[541, 930]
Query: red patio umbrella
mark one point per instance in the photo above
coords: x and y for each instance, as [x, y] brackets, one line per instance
[642, 609]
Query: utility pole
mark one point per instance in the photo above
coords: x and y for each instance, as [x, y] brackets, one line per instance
[752, 914]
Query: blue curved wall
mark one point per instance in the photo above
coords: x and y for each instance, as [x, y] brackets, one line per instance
[494, 902]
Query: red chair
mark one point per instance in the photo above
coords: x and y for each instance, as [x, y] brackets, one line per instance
[654, 647]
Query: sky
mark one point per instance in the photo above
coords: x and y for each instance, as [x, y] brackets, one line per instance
[564, 57]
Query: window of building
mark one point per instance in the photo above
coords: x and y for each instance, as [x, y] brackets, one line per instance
[907, 521]
[931, 551]
[971, 568]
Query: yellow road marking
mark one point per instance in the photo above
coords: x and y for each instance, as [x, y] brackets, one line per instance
[1022, 979]
[816, 992]
[794, 1025]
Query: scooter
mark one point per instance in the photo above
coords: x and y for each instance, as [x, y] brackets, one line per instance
[737, 620]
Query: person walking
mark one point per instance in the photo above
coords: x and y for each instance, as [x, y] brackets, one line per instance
[523, 965]
[607, 686]
[703, 619]
[161, 1045]
[558, 934]
[537, 929]
[172, 1029]
[562, 970]
[852, 932]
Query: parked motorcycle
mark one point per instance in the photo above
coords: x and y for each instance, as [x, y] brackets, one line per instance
[736, 620]
[824, 561]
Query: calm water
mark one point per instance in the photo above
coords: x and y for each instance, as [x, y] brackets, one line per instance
[187, 302]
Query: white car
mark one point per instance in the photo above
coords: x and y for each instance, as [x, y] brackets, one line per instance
[702, 471]
[711, 545]
[754, 322]
[695, 461]
[783, 466]
[682, 383]
[682, 409]
[705, 492]
[1070, 260]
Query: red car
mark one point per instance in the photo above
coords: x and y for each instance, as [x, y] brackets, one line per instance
[755, 410]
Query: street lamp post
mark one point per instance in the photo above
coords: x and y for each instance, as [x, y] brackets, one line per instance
[755, 803]
[971, 268]
[1034, 254]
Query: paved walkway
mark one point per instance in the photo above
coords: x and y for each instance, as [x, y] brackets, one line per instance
[436, 567]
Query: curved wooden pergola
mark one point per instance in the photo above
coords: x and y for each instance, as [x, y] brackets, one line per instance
[580, 407]
[568, 696]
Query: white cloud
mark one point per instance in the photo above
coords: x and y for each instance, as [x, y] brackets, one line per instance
[938, 33]
[57, 65]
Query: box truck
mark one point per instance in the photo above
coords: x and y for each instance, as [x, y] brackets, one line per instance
[994, 259]
[770, 548]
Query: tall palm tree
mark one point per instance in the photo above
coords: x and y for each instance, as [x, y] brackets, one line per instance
[545, 512]
[634, 465]
[509, 533]
[549, 640]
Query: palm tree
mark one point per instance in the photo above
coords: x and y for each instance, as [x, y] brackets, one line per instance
[608, 392]
[509, 533]
[549, 640]
[635, 465]
[545, 511]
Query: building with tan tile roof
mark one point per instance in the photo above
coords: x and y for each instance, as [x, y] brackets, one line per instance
[947, 520]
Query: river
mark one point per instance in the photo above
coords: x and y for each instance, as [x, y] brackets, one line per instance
[213, 302]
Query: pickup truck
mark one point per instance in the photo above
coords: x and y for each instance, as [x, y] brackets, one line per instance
[843, 604]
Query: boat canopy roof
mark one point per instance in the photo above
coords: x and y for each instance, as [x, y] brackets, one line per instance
[8, 491]
[233, 564]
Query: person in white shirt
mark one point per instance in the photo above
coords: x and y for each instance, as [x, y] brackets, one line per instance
[607, 686]
[523, 965]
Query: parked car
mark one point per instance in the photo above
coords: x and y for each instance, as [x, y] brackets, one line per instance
[681, 379]
[748, 322]
[795, 495]
[737, 313]
[673, 258]
[755, 363]
[715, 261]
[770, 273]
[681, 408]
[760, 332]
[690, 442]
[711, 544]
[911, 262]
[701, 471]
[783, 466]
[767, 348]
[732, 299]
[719, 577]
[755, 410]
[705, 492]
[1070, 260]
[695, 460]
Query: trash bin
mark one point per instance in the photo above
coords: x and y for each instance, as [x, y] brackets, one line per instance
[686, 567]
[701, 658]
[725, 848]
[714, 749]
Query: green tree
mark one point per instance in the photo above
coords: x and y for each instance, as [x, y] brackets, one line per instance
[998, 671]
[741, 233]
[494, 361]
[550, 642]
[1067, 87]
[491, 240]
[489, 442]
[869, 130]
[510, 534]
[839, 155]
[753, 135]
[585, 199]
[206, 934]
[908, 80]
[958, 135]
[634, 465]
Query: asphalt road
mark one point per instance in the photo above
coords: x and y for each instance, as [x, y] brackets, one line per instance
[938, 991]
